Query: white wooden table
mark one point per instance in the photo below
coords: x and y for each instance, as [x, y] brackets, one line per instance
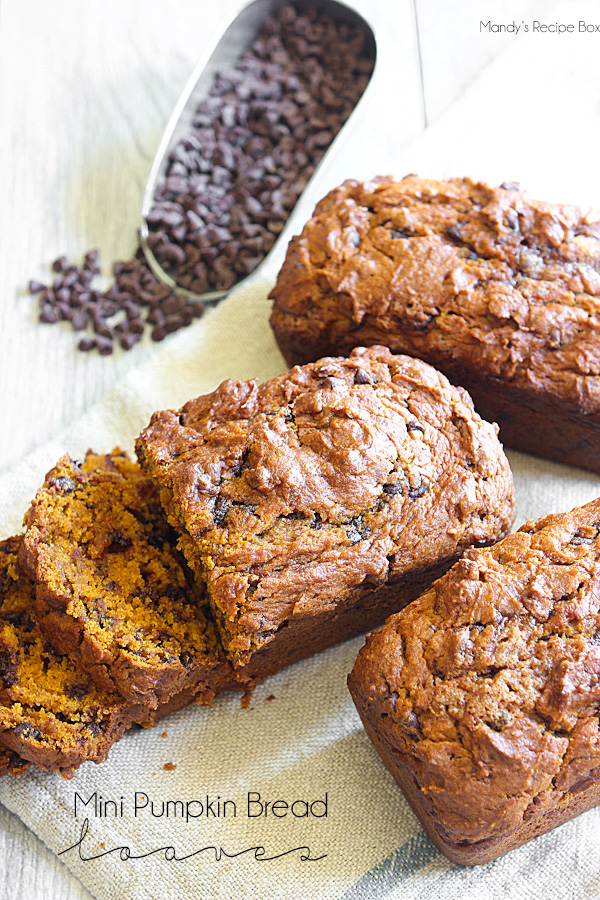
[85, 91]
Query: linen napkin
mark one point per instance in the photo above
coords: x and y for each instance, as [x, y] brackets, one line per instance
[187, 809]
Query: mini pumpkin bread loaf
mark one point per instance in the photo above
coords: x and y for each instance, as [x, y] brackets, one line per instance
[315, 504]
[112, 590]
[51, 714]
[482, 697]
[500, 292]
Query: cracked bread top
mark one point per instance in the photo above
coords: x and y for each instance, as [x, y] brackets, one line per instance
[472, 278]
[112, 589]
[50, 712]
[337, 475]
[486, 690]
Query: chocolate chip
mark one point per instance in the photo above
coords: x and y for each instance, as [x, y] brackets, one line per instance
[77, 691]
[117, 542]
[361, 376]
[104, 345]
[454, 232]
[186, 659]
[59, 264]
[414, 426]
[415, 492]
[510, 186]
[578, 539]
[392, 489]
[27, 730]
[63, 483]
[220, 511]
[8, 669]
[410, 727]
[356, 531]
[252, 146]
[231, 181]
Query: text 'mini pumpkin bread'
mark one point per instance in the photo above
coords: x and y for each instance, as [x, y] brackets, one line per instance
[498, 291]
[315, 504]
[483, 696]
[113, 592]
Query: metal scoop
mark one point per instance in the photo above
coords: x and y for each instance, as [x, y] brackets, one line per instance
[225, 50]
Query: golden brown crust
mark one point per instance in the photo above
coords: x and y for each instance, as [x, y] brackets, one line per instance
[322, 486]
[483, 695]
[112, 591]
[500, 292]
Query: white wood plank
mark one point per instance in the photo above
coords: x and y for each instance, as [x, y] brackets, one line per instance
[454, 49]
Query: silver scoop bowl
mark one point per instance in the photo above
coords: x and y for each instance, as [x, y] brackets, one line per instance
[225, 50]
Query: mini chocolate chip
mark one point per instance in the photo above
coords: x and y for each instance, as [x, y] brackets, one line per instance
[220, 511]
[8, 669]
[578, 539]
[104, 345]
[63, 483]
[414, 426]
[510, 186]
[361, 376]
[117, 542]
[77, 691]
[415, 492]
[392, 489]
[410, 726]
[27, 730]
[454, 232]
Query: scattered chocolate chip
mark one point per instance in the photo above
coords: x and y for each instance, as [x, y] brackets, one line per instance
[414, 426]
[60, 264]
[135, 295]
[231, 181]
[510, 186]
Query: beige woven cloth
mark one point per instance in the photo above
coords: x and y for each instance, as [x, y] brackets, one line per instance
[301, 739]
